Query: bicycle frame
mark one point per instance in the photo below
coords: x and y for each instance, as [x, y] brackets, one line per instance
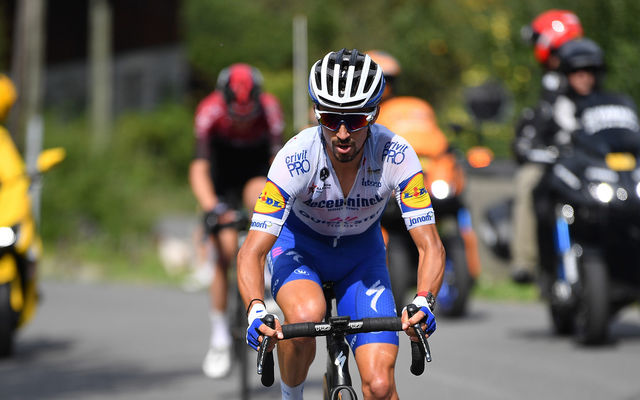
[337, 375]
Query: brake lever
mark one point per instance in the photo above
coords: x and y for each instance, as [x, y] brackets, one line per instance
[420, 351]
[265, 358]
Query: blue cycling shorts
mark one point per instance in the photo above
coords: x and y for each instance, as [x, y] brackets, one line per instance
[356, 265]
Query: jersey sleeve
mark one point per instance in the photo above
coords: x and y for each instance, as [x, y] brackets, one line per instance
[408, 180]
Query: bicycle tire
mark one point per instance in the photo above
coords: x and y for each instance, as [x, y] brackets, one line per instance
[325, 387]
[345, 393]
[240, 348]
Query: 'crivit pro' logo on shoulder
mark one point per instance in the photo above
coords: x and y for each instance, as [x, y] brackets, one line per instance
[413, 195]
[272, 200]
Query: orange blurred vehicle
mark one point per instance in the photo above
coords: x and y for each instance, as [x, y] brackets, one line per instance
[415, 120]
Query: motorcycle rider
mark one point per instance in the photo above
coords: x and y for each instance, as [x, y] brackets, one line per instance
[580, 108]
[238, 130]
[535, 131]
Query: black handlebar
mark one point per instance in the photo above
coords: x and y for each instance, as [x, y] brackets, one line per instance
[310, 329]
[420, 350]
[344, 325]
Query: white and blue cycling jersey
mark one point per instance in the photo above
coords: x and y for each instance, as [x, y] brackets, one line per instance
[325, 235]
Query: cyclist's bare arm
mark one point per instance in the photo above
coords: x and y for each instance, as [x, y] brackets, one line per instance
[251, 261]
[431, 262]
[201, 183]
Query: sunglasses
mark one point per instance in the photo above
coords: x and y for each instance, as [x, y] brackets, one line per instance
[352, 121]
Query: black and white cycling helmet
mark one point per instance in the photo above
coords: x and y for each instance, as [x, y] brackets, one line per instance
[346, 79]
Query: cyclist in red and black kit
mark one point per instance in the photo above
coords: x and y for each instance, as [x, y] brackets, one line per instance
[238, 130]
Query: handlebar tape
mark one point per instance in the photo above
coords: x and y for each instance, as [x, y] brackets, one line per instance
[418, 353]
[311, 329]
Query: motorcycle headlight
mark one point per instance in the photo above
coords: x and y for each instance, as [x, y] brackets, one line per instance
[638, 189]
[7, 236]
[440, 189]
[602, 192]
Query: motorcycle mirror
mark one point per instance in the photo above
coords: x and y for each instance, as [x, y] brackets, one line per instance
[486, 102]
[479, 156]
[50, 158]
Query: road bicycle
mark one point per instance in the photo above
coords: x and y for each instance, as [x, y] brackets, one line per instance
[236, 308]
[238, 315]
[337, 380]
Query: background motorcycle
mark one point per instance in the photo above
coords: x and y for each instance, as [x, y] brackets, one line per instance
[413, 119]
[589, 233]
[20, 250]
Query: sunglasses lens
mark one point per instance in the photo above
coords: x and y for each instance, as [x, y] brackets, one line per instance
[353, 122]
[331, 121]
[356, 121]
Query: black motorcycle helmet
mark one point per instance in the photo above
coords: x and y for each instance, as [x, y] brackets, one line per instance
[580, 54]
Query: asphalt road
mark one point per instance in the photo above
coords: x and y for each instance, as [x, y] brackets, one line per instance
[99, 341]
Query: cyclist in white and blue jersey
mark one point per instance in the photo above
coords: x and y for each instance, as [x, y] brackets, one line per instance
[318, 220]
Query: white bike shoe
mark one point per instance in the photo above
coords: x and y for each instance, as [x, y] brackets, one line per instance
[217, 363]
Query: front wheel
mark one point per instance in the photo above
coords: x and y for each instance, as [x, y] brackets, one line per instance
[592, 314]
[344, 393]
[238, 332]
[8, 321]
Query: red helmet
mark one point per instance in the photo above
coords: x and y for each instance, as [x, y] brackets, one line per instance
[241, 85]
[552, 29]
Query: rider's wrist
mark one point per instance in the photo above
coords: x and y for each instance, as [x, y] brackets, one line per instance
[253, 301]
[258, 310]
[220, 208]
[425, 298]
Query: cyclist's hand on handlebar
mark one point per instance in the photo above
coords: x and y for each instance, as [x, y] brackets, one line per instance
[424, 316]
[219, 217]
[257, 328]
[211, 218]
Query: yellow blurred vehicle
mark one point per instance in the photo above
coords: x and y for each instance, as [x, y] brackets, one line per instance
[20, 246]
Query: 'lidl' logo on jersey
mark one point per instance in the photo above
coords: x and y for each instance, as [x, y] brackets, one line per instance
[272, 201]
[413, 194]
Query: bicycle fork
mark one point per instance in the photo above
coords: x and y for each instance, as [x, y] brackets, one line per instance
[337, 362]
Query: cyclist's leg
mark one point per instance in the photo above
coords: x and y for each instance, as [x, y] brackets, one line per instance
[298, 291]
[225, 243]
[300, 301]
[217, 363]
[376, 364]
[366, 292]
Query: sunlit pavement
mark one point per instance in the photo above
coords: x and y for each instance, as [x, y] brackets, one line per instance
[93, 341]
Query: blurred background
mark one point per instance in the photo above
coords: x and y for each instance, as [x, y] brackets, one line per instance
[116, 83]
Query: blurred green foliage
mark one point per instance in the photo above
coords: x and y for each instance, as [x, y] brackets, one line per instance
[117, 194]
[109, 201]
[442, 45]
